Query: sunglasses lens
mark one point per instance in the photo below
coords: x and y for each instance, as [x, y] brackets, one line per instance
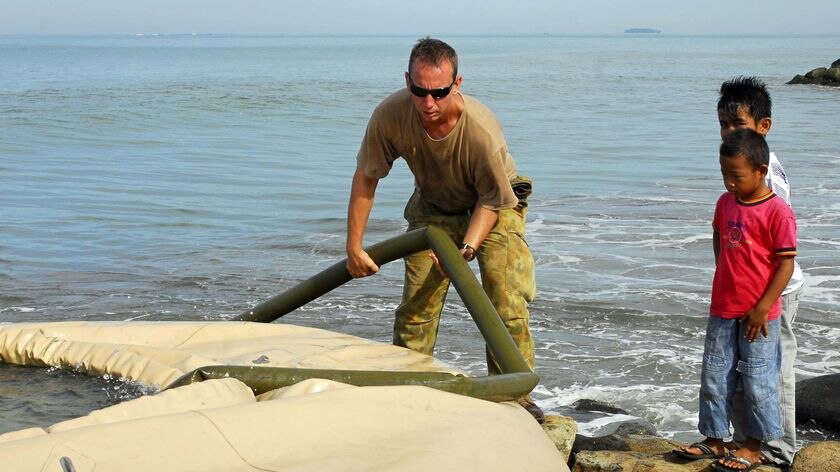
[441, 92]
[421, 92]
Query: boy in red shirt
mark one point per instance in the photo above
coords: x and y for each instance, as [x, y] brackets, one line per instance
[754, 244]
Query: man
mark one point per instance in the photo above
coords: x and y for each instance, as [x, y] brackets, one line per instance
[463, 174]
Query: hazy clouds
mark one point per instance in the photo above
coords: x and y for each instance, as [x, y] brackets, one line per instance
[389, 17]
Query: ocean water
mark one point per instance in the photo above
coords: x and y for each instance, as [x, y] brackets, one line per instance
[191, 177]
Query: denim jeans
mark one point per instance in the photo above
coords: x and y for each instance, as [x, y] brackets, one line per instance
[727, 358]
[782, 450]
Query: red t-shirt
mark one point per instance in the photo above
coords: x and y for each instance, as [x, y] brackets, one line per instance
[752, 237]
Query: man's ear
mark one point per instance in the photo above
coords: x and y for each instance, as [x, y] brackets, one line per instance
[764, 125]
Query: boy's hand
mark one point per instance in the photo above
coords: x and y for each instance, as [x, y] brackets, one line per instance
[756, 320]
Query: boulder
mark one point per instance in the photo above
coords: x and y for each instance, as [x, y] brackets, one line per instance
[829, 76]
[665, 461]
[649, 453]
[627, 437]
[817, 73]
[604, 426]
[626, 443]
[561, 430]
[797, 79]
[600, 461]
[820, 456]
[585, 404]
[817, 401]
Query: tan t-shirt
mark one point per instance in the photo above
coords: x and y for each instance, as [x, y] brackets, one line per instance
[470, 165]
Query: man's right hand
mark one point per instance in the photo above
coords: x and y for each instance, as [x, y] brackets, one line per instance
[359, 264]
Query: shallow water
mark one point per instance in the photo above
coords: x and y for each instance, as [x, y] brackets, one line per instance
[40, 397]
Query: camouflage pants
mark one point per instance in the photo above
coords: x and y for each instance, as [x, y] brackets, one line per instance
[507, 275]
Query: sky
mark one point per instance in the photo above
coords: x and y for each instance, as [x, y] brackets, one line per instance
[434, 17]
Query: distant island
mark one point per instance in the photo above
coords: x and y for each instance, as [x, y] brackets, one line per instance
[642, 30]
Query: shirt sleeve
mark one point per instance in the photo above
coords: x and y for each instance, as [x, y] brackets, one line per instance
[784, 234]
[493, 184]
[717, 216]
[376, 153]
[777, 179]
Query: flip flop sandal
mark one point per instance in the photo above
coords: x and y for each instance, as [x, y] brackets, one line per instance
[730, 457]
[708, 453]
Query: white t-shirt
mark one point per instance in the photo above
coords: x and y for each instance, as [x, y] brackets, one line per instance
[777, 181]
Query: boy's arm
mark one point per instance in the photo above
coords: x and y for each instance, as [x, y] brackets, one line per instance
[716, 244]
[756, 318]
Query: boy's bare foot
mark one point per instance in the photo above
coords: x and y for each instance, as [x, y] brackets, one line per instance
[747, 457]
[710, 448]
[732, 462]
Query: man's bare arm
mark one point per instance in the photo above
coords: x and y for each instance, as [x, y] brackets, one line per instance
[362, 193]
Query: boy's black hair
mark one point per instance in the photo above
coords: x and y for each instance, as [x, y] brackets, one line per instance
[749, 92]
[748, 143]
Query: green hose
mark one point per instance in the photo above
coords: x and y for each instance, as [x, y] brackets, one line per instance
[516, 380]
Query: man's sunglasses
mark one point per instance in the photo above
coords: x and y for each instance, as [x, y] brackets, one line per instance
[437, 93]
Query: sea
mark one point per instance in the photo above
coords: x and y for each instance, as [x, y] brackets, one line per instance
[190, 177]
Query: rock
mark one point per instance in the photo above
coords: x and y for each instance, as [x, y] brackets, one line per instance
[797, 79]
[585, 404]
[649, 453]
[561, 430]
[820, 456]
[817, 401]
[627, 461]
[637, 426]
[616, 424]
[598, 423]
[627, 437]
[817, 73]
[631, 461]
[617, 461]
[653, 445]
[820, 76]
[632, 444]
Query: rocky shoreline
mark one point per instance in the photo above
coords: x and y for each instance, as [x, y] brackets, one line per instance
[627, 450]
[632, 444]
